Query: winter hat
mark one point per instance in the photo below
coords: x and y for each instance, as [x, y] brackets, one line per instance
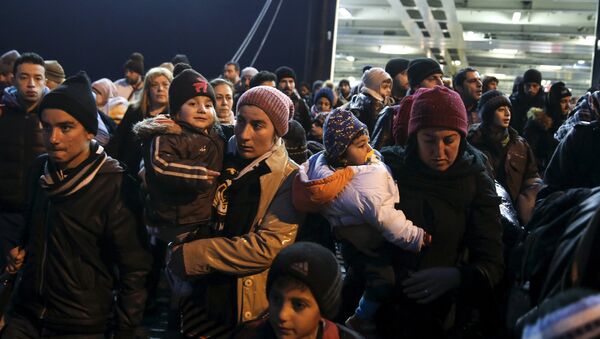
[105, 87]
[75, 97]
[180, 67]
[7, 61]
[54, 71]
[295, 142]
[532, 75]
[319, 119]
[325, 92]
[135, 63]
[249, 72]
[437, 107]
[373, 78]
[186, 85]
[180, 58]
[278, 106]
[340, 128]
[366, 68]
[315, 266]
[558, 91]
[317, 85]
[489, 102]
[419, 69]
[285, 72]
[396, 66]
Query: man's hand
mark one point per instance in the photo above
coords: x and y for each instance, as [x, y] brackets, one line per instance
[14, 260]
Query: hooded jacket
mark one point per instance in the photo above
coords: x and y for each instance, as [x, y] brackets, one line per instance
[176, 157]
[356, 195]
[21, 141]
[75, 243]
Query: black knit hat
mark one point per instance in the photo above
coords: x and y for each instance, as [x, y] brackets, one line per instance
[180, 67]
[180, 58]
[532, 75]
[419, 69]
[489, 102]
[285, 72]
[295, 142]
[396, 66]
[315, 266]
[186, 85]
[75, 97]
[135, 63]
[558, 91]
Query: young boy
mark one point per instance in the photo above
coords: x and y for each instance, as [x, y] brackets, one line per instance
[182, 159]
[303, 287]
[354, 191]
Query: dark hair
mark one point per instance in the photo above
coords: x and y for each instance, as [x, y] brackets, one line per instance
[235, 65]
[261, 77]
[343, 82]
[488, 80]
[28, 58]
[460, 77]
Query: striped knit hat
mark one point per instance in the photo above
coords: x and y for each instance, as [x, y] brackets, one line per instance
[278, 106]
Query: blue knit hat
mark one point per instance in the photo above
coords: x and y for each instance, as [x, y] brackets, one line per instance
[340, 128]
[324, 92]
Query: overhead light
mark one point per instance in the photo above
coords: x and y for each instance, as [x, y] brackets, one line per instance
[505, 51]
[473, 36]
[589, 40]
[396, 49]
[456, 62]
[344, 13]
[350, 58]
[580, 62]
[549, 68]
[516, 17]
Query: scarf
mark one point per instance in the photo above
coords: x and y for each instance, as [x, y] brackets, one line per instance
[63, 183]
[230, 175]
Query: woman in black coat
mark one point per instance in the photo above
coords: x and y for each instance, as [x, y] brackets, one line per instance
[445, 189]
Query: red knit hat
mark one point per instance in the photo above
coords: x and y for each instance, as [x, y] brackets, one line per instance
[278, 106]
[437, 107]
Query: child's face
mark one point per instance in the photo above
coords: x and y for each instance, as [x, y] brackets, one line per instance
[198, 112]
[502, 116]
[356, 153]
[385, 89]
[317, 131]
[293, 312]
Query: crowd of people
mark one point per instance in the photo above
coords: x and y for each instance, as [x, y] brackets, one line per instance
[411, 205]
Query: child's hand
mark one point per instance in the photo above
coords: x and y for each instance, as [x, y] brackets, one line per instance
[427, 239]
[211, 176]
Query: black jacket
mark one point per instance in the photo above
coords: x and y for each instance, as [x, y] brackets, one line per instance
[21, 141]
[521, 103]
[382, 132]
[576, 161]
[124, 146]
[75, 245]
[175, 158]
[366, 108]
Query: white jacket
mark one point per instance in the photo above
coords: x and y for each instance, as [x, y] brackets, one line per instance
[369, 198]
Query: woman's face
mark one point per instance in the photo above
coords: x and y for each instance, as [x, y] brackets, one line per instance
[254, 132]
[502, 116]
[159, 91]
[565, 105]
[438, 147]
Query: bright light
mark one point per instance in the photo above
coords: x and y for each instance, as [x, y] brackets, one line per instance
[549, 68]
[516, 17]
[344, 13]
[589, 40]
[473, 36]
[350, 58]
[396, 49]
[580, 62]
[456, 62]
[505, 51]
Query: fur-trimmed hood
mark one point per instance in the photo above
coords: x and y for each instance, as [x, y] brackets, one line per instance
[538, 114]
[160, 124]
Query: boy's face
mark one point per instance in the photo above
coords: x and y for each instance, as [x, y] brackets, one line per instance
[357, 151]
[66, 140]
[198, 112]
[293, 312]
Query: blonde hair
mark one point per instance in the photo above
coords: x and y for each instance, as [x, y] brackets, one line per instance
[144, 103]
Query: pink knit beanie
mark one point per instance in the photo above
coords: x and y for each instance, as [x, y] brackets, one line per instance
[278, 106]
[437, 107]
